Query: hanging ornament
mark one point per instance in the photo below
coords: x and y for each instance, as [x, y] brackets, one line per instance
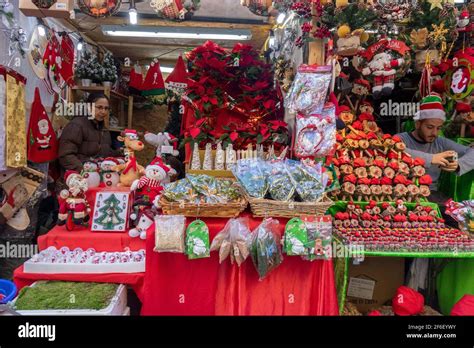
[258, 7]
[459, 81]
[99, 8]
[425, 81]
[6, 14]
[176, 10]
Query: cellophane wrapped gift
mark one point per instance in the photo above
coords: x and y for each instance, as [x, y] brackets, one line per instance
[265, 248]
[233, 241]
[308, 178]
[169, 233]
[251, 175]
[309, 90]
[280, 186]
[316, 133]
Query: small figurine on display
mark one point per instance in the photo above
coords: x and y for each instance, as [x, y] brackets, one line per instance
[150, 185]
[108, 177]
[131, 170]
[90, 172]
[164, 143]
[145, 220]
[74, 209]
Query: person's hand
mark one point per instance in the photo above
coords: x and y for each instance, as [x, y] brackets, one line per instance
[451, 167]
[441, 159]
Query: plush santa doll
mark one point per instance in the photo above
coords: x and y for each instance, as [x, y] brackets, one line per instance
[145, 220]
[73, 200]
[463, 22]
[382, 67]
[150, 185]
[109, 178]
[42, 142]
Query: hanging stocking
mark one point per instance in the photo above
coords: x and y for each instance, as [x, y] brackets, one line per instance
[135, 84]
[42, 143]
[2, 122]
[154, 87]
[15, 138]
[67, 60]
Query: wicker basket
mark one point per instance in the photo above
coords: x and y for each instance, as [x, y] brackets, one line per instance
[267, 207]
[226, 210]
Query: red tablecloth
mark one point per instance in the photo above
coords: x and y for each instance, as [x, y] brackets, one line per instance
[175, 285]
[84, 238]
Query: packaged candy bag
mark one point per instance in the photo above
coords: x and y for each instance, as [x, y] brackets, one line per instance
[251, 176]
[207, 187]
[233, 241]
[319, 230]
[308, 92]
[265, 247]
[169, 233]
[228, 190]
[197, 240]
[280, 186]
[296, 238]
[316, 133]
[180, 191]
[308, 179]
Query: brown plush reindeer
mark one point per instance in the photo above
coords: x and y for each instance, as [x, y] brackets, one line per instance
[130, 170]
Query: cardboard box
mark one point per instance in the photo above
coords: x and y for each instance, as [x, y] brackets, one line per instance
[61, 9]
[374, 281]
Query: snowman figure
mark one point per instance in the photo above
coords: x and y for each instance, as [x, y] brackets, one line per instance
[90, 172]
[109, 178]
[146, 219]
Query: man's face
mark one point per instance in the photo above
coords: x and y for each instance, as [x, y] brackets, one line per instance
[101, 109]
[428, 129]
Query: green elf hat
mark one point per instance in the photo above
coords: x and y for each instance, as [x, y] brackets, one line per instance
[431, 106]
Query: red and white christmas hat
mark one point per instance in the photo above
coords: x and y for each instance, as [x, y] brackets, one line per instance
[464, 14]
[130, 133]
[178, 79]
[158, 164]
[69, 175]
[110, 160]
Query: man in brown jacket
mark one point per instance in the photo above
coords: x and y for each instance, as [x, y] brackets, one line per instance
[84, 139]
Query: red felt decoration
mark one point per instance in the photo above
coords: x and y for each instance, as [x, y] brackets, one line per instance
[407, 302]
[464, 307]
[42, 142]
[66, 60]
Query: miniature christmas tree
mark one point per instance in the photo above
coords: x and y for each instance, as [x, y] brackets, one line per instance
[109, 70]
[110, 217]
[220, 157]
[196, 161]
[231, 157]
[207, 165]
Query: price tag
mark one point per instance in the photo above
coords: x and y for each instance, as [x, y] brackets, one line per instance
[61, 6]
[167, 149]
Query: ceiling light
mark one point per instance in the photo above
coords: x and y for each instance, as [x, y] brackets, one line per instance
[132, 13]
[166, 69]
[41, 30]
[459, 1]
[281, 18]
[178, 33]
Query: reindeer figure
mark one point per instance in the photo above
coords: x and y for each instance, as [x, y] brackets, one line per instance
[130, 170]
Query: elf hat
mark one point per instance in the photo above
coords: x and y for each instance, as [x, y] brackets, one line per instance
[69, 175]
[431, 107]
[157, 164]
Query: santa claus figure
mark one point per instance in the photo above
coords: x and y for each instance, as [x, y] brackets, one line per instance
[382, 67]
[109, 178]
[459, 80]
[43, 138]
[463, 22]
[73, 200]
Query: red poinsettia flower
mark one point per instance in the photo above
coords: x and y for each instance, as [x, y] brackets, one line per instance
[425, 180]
